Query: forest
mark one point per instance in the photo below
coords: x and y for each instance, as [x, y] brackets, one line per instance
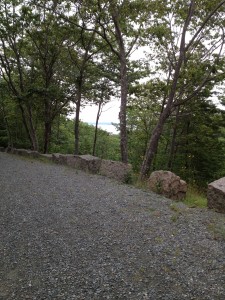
[58, 56]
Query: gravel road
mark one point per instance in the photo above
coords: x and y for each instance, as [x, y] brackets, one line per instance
[70, 235]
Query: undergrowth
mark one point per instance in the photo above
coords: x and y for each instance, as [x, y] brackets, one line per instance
[195, 197]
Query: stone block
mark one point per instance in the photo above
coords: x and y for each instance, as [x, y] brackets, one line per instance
[59, 158]
[116, 170]
[168, 184]
[9, 149]
[33, 154]
[216, 195]
[87, 163]
[14, 151]
[22, 152]
[55, 157]
[73, 161]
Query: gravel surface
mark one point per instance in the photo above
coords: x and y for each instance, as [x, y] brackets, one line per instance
[70, 235]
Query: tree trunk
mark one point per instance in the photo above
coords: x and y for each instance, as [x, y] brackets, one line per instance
[187, 146]
[96, 127]
[30, 130]
[33, 134]
[34, 140]
[77, 122]
[123, 107]
[173, 142]
[48, 126]
[47, 136]
[58, 129]
[124, 88]
[152, 146]
[10, 140]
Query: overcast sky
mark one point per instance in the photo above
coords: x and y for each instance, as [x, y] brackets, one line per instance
[109, 115]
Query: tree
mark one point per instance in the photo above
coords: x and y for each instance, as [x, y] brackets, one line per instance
[102, 93]
[119, 25]
[12, 131]
[6, 138]
[199, 154]
[31, 62]
[47, 38]
[201, 38]
[13, 64]
[142, 114]
[80, 58]
[82, 46]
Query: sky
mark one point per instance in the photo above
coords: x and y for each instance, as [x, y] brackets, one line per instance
[109, 115]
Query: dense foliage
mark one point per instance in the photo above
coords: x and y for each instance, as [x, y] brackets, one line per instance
[57, 56]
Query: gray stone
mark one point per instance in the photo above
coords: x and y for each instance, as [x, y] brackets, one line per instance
[24, 152]
[168, 184]
[116, 170]
[59, 158]
[87, 163]
[71, 161]
[33, 154]
[55, 157]
[216, 195]
[9, 149]
[14, 151]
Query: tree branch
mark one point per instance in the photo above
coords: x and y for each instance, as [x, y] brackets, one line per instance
[204, 24]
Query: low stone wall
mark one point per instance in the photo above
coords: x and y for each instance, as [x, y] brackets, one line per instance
[216, 195]
[92, 164]
[28, 153]
[88, 163]
[23, 152]
[116, 170]
[59, 158]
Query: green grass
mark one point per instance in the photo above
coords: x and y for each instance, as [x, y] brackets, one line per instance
[195, 198]
[138, 183]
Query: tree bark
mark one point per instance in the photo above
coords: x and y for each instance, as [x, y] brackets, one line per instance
[77, 122]
[30, 130]
[47, 124]
[152, 146]
[173, 142]
[96, 127]
[10, 139]
[187, 146]
[26, 111]
[124, 89]
[47, 136]
[123, 107]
